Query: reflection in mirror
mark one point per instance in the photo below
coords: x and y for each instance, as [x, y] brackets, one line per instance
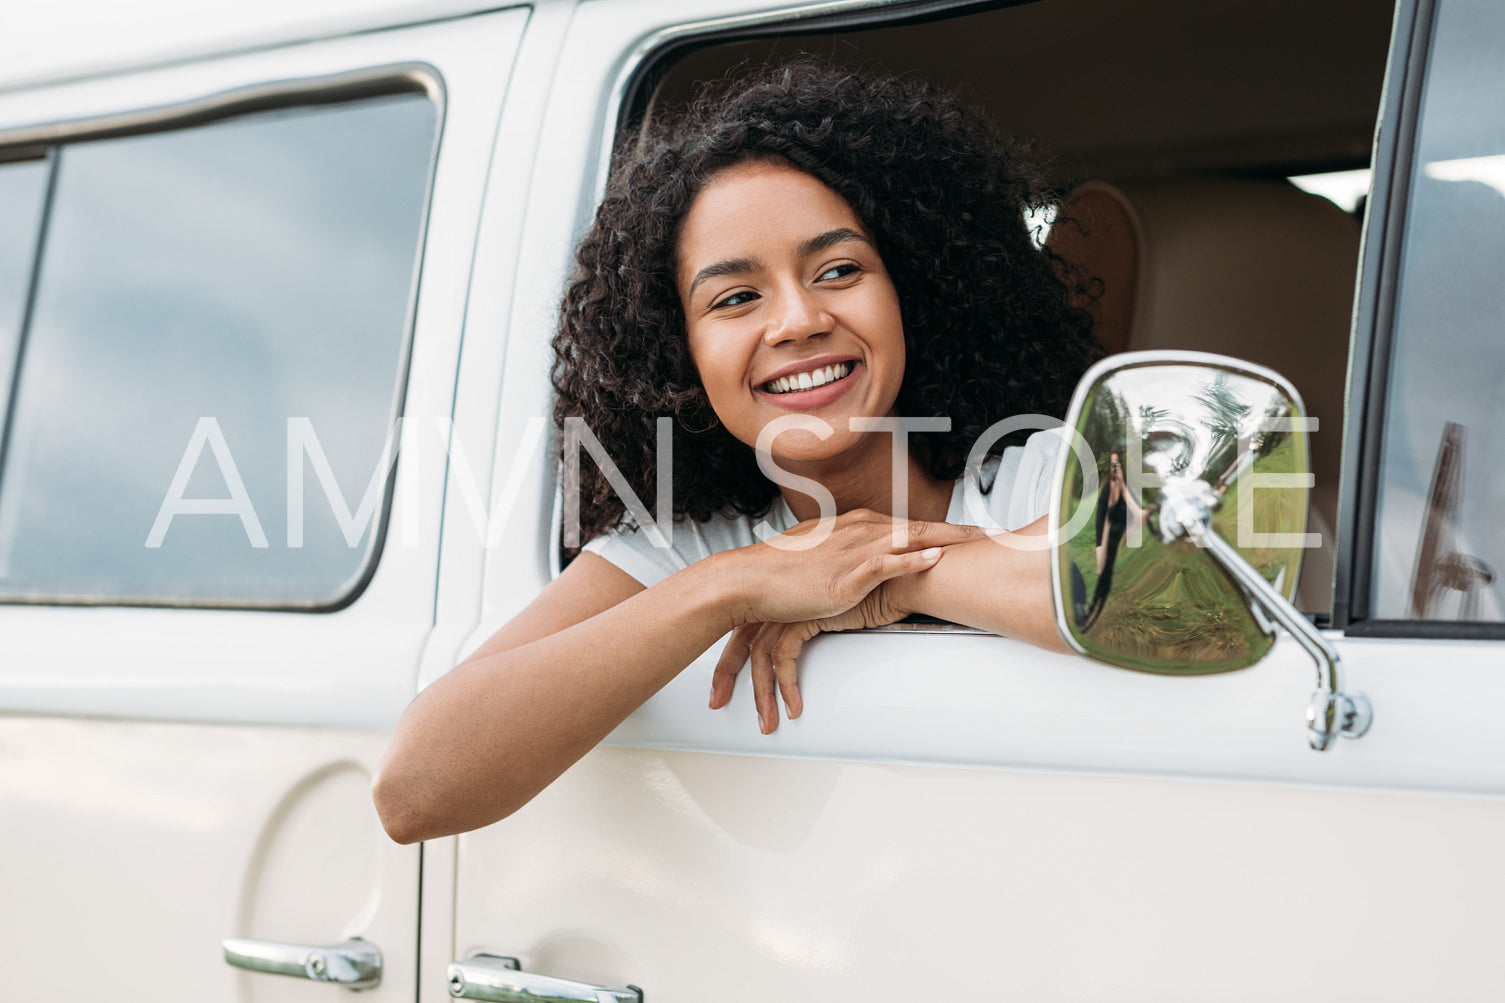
[1164, 432]
[1442, 570]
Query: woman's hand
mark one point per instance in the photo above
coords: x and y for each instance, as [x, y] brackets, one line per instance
[792, 591]
[990, 584]
[787, 580]
[773, 649]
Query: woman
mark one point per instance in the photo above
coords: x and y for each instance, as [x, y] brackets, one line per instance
[810, 245]
[1115, 506]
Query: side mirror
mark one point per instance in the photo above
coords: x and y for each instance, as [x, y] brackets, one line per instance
[1180, 531]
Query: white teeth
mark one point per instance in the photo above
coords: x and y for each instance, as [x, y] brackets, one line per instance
[808, 380]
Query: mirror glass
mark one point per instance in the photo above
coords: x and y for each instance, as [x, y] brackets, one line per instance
[1228, 433]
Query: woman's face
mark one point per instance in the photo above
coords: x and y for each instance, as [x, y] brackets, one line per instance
[788, 307]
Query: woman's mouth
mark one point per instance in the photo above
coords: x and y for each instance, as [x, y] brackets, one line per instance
[796, 382]
[812, 388]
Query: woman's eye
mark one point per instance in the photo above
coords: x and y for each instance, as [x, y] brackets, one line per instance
[735, 299]
[838, 272]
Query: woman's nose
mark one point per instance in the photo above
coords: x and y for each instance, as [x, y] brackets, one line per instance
[800, 315]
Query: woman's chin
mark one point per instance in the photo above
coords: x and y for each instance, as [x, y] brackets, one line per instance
[797, 449]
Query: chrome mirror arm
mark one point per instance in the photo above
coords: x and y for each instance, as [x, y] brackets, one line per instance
[1187, 512]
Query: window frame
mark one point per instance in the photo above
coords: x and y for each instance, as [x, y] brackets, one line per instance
[1372, 350]
[319, 91]
[20, 154]
[632, 90]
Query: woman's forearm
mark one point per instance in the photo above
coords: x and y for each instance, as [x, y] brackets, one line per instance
[494, 731]
[992, 586]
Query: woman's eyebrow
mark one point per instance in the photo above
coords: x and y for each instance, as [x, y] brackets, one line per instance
[731, 266]
[741, 266]
[831, 238]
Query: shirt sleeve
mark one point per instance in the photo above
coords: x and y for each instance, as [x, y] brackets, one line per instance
[630, 549]
[1012, 490]
[1035, 480]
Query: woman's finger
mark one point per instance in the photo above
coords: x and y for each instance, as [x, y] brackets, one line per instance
[785, 654]
[885, 566]
[922, 535]
[733, 657]
[763, 677]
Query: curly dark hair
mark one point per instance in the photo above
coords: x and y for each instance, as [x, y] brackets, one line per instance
[990, 328]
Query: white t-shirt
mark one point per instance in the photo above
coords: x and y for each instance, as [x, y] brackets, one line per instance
[1012, 491]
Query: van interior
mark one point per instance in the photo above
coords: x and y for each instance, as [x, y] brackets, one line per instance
[1173, 129]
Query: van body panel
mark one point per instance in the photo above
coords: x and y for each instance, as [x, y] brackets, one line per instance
[175, 776]
[152, 841]
[88, 38]
[728, 877]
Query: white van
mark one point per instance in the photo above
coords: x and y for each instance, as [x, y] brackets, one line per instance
[239, 241]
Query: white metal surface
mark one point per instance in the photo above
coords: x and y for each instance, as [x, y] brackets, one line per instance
[735, 878]
[149, 843]
[508, 323]
[979, 700]
[92, 38]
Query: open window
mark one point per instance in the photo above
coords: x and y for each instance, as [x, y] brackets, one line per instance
[1172, 130]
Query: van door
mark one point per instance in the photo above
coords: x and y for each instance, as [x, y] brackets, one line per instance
[958, 815]
[221, 283]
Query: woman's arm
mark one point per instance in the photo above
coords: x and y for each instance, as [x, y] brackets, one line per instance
[498, 728]
[992, 585]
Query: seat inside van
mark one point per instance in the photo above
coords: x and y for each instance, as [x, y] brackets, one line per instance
[1172, 128]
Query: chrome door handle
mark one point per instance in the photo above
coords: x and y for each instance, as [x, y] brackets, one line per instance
[355, 964]
[497, 979]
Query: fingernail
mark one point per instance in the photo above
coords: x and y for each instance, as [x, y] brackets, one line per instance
[931, 554]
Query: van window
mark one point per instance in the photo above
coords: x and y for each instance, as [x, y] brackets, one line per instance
[1441, 542]
[197, 290]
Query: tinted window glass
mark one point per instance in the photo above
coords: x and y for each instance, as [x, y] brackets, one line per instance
[1441, 536]
[250, 271]
[23, 186]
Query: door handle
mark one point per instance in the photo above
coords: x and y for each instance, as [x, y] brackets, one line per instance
[497, 979]
[355, 964]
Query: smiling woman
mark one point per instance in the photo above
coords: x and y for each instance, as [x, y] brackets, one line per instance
[809, 274]
[803, 293]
